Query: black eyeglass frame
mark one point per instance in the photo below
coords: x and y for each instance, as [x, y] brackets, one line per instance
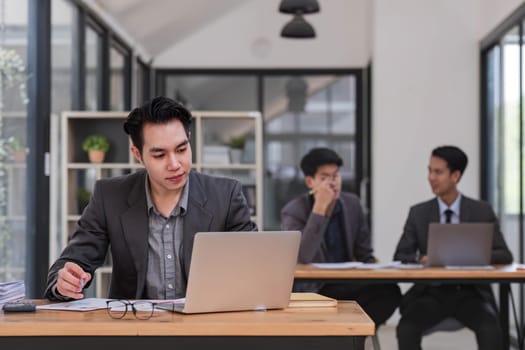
[127, 304]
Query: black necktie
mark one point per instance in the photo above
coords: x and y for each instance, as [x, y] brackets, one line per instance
[448, 216]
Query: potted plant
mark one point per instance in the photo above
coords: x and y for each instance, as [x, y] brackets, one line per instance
[96, 146]
[236, 144]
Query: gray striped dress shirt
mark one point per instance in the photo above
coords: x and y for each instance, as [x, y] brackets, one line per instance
[164, 279]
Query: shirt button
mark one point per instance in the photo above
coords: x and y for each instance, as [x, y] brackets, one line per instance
[170, 286]
[168, 256]
[167, 226]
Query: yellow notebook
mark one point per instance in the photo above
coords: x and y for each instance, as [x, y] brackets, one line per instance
[311, 300]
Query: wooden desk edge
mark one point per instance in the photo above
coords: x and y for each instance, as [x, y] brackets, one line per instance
[305, 272]
[287, 322]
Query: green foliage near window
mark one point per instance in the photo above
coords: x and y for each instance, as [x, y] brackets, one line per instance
[95, 143]
[237, 142]
[14, 144]
[12, 75]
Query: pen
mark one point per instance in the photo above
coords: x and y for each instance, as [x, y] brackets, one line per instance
[82, 283]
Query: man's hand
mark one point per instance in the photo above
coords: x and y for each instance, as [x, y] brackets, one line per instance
[423, 260]
[325, 196]
[71, 281]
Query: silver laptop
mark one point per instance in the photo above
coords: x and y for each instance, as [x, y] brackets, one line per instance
[234, 271]
[463, 244]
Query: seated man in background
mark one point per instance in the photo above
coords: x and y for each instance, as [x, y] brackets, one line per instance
[149, 218]
[424, 306]
[334, 229]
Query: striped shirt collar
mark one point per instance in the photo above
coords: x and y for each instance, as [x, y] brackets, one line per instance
[183, 201]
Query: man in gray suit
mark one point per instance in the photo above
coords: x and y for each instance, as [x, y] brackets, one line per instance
[334, 229]
[424, 306]
[149, 218]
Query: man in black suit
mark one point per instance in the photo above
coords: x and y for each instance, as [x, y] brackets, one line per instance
[424, 306]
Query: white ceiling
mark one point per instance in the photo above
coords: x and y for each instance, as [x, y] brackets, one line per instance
[238, 33]
[160, 24]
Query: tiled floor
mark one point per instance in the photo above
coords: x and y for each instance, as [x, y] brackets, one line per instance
[463, 339]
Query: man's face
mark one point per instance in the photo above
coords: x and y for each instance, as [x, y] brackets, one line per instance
[329, 174]
[166, 155]
[442, 181]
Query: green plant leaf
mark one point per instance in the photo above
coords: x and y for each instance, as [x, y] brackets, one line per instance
[95, 143]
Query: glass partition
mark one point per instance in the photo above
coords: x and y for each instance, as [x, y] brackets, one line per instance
[301, 113]
[13, 130]
[116, 94]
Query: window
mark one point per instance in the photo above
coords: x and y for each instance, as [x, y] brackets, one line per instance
[116, 59]
[503, 134]
[300, 111]
[93, 52]
[142, 83]
[303, 112]
[62, 46]
[13, 130]
[213, 92]
[503, 122]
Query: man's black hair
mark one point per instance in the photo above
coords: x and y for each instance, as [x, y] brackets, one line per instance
[159, 110]
[318, 157]
[456, 159]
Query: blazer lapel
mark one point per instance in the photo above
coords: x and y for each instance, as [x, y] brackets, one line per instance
[135, 229]
[433, 211]
[464, 210]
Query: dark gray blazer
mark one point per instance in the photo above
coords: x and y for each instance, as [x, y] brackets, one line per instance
[413, 242]
[116, 217]
[297, 215]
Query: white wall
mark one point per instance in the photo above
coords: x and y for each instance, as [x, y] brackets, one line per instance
[425, 94]
[343, 39]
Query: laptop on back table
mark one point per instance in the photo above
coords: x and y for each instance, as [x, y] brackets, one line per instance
[234, 271]
[463, 244]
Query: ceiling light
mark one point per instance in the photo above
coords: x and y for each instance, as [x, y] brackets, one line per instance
[295, 6]
[298, 28]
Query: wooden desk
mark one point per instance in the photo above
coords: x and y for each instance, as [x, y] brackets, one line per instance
[502, 274]
[277, 329]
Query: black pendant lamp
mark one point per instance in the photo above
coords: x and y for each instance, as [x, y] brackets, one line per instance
[294, 6]
[298, 27]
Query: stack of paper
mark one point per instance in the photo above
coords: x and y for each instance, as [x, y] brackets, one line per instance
[11, 291]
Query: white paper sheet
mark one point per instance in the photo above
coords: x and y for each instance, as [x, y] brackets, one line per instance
[90, 304]
[376, 266]
[470, 267]
[358, 265]
[341, 265]
[87, 304]
[410, 266]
